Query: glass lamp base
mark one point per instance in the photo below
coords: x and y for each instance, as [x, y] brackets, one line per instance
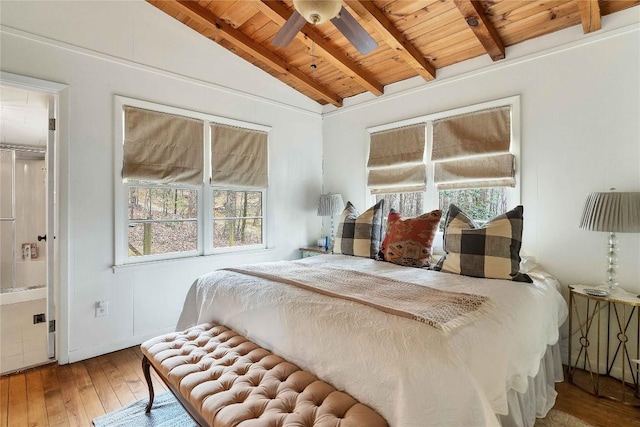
[612, 258]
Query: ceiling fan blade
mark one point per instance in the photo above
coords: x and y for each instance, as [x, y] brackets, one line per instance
[289, 30]
[354, 32]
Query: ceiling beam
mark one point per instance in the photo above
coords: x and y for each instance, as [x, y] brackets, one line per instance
[486, 33]
[278, 13]
[393, 37]
[205, 17]
[590, 15]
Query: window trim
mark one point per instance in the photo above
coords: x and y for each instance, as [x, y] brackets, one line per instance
[205, 190]
[431, 200]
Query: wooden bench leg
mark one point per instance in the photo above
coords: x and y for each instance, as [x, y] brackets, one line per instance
[146, 365]
[189, 409]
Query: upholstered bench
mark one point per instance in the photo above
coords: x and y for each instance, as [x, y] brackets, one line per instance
[223, 380]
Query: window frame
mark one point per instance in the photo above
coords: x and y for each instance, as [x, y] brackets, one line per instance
[204, 190]
[431, 196]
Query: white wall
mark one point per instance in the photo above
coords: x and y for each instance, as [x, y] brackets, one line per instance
[580, 104]
[101, 49]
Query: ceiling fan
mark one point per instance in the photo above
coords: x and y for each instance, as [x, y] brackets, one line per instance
[318, 12]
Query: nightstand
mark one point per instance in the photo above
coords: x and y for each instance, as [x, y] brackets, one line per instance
[307, 252]
[608, 344]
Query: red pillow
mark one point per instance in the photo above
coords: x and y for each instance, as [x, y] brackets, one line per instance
[408, 241]
[391, 218]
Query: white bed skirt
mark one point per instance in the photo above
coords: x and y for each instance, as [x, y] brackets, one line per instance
[541, 393]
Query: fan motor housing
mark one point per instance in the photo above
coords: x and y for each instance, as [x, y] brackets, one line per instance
[318, 11]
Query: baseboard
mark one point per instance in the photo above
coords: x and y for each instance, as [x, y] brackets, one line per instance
[88, 353]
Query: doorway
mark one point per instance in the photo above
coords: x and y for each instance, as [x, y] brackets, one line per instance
[27, 253]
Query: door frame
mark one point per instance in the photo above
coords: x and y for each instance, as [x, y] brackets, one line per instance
[58, 268]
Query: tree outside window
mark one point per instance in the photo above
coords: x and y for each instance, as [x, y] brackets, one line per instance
[237, 218]
[481, 204]
[162, 220]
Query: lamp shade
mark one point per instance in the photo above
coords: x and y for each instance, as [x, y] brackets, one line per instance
[330, 204]
[612, 212]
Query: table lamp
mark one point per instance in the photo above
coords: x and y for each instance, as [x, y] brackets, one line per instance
[614, 213]
[330, 205]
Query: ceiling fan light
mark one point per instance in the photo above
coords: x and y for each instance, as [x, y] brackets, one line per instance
[318, 11]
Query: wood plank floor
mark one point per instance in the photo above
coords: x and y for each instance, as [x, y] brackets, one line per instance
[74, 394]
[596, 411]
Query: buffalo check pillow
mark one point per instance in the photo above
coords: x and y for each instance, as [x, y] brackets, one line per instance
[359, 234]
[491, 250]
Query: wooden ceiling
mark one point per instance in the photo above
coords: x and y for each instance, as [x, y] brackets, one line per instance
[415, 37]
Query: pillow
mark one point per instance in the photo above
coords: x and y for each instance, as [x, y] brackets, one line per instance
[359, 235]
[391, 218]
[491, 250]
[408, 241]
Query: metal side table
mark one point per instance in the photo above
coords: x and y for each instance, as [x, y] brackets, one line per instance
[609, 333]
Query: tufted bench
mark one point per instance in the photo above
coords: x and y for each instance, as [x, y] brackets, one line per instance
[223, 380]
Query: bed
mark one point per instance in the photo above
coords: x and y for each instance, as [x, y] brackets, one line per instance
[497, 367]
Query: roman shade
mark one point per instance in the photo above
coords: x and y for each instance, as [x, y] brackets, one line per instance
[475, 172]
[396, 160]
[238, 157]
[472, 150]
[162, 148]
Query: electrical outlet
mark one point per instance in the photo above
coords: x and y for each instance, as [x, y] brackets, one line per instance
[26, 251]
[102, 308]
[38, 318]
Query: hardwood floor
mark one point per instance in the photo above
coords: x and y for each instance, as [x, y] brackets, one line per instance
[72, 395]
[596, 411]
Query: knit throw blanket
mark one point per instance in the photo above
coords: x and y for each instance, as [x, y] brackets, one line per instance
[440, 309]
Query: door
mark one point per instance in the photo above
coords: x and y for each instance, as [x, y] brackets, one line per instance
[55, 95]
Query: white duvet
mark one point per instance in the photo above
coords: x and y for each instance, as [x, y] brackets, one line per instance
[412, 374]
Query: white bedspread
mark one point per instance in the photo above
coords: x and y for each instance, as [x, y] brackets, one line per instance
[412, 373]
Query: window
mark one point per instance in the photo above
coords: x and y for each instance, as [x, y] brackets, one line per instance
[397, 170]
[481, 204]
[473, 165]
[408, 204]
[162, 220]
[188, 184]
[470, 156]
[237, 218]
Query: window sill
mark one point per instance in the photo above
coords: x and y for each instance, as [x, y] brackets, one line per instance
[145, 265]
